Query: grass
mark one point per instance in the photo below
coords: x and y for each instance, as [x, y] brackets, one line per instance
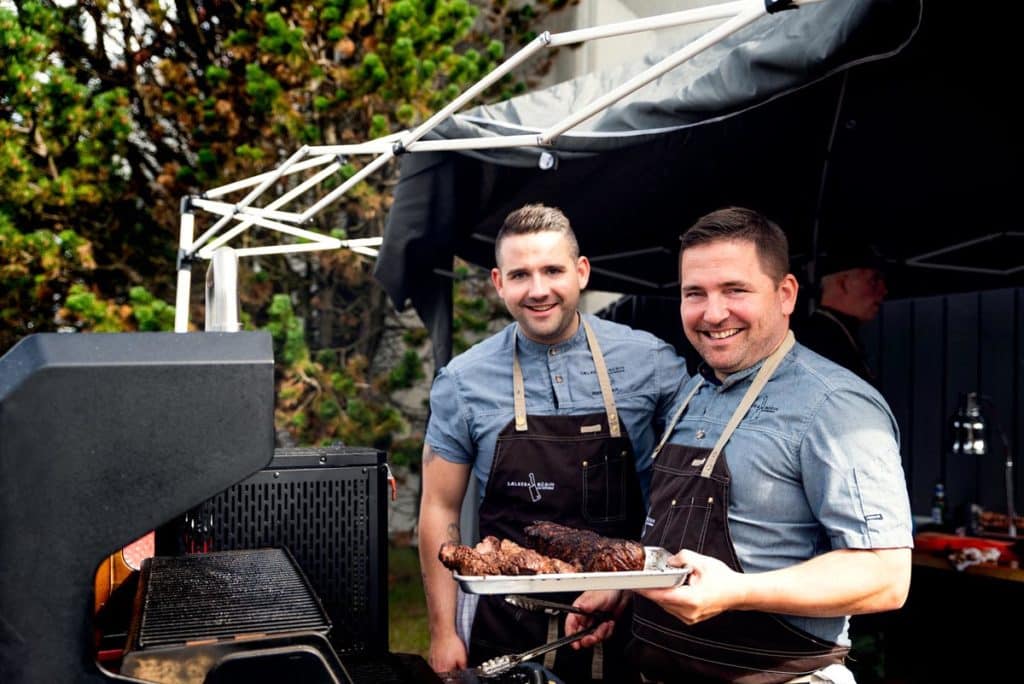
[407, 609]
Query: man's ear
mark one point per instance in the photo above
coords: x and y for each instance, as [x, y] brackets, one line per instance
[583, 271]
[788, 290]
[496, 280]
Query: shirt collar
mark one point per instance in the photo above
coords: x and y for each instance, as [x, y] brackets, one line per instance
[530, 347]
[735, 378]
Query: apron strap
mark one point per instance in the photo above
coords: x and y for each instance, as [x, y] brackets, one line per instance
[760, 380]
[549, 657]
[603, 380]
[519, 387]
[675, 418]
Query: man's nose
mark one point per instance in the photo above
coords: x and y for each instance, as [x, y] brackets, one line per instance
[539, 287]
[716, 310]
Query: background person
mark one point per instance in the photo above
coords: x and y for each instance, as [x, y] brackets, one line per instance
[555, 417]
[780, 484]
[852, 290]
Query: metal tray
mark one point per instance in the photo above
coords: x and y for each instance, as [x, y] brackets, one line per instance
[656, 574]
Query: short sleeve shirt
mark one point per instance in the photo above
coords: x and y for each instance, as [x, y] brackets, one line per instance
[471, 398]
[814, 466]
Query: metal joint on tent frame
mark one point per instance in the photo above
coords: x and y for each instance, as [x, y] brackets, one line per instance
[773, 6]
[184, 260]
[398, 148]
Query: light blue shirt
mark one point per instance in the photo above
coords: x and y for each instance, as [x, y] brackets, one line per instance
[815, 466]
[471, 398]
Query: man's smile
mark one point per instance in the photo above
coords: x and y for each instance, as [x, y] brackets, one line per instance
[721, 334]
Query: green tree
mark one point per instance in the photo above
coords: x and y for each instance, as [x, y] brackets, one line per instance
[112, 111]
[63, 145]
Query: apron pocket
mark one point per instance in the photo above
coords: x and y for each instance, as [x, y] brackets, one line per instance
[686, 525]
[604, 489]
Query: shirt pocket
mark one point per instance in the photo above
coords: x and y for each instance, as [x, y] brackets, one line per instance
[605, 495]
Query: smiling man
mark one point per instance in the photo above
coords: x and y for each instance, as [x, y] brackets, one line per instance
[555, 416]
[779, 483]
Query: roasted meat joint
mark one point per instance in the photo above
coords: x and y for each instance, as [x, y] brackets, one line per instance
[550, 548]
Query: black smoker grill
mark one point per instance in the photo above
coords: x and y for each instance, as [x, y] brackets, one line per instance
[106, 437]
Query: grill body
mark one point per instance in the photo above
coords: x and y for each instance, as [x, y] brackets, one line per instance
[328, 507]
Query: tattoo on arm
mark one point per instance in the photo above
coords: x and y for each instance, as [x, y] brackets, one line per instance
[428, 454]
[454, 534]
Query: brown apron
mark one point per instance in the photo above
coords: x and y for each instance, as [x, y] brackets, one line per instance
[575, 470]
[690, 509]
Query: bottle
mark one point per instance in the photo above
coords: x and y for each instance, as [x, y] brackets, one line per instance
[938, 504]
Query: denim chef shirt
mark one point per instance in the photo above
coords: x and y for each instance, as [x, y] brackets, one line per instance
[471, 398]
[815, 466]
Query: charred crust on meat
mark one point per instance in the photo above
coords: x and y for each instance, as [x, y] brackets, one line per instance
[550, 548]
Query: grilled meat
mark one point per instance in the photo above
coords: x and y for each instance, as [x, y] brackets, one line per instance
[499, 557]
[589, 550]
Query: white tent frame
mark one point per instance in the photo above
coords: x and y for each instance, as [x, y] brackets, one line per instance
[244, 215]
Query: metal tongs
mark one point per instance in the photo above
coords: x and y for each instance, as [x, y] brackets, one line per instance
[495, 666]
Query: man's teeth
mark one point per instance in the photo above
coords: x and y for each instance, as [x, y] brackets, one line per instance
[722, 334]
[545, 307]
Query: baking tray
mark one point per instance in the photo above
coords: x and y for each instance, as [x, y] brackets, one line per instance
[656, 574]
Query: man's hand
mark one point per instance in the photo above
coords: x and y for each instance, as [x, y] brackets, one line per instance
[613, 602]
[712, 588]
[447, 653]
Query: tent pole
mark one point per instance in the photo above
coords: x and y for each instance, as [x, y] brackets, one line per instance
[812, 266]
[182, 292]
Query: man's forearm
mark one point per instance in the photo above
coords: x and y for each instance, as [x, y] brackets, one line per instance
[844, 582]
[439, 587]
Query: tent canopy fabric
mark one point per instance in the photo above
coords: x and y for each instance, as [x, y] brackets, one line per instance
[876, 117]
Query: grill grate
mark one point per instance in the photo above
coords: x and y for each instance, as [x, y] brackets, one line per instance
[224, 595]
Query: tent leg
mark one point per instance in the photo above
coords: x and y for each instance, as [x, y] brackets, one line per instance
[188, 221]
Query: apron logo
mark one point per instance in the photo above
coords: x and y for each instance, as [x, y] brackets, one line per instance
[535, 488]
[761, 406]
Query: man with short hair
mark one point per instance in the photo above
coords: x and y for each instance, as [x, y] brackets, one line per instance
[779, 482]
[852, 291]
[555, 417]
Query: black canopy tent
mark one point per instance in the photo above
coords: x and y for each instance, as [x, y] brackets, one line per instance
[883, 117]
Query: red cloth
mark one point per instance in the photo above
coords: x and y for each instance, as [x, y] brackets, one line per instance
[939, 542]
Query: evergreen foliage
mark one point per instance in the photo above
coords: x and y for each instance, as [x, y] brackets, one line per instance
[112, 111]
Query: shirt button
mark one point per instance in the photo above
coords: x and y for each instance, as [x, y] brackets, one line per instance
[700, 434]
[558, 379]
[553, 351]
